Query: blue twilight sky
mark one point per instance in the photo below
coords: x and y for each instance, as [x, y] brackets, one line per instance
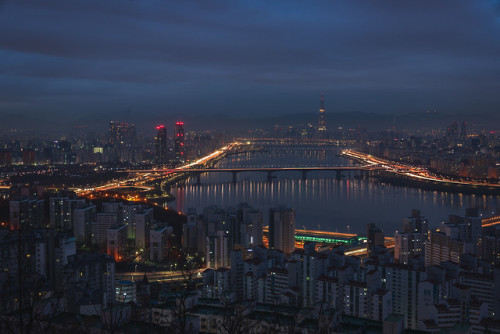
[79, 61]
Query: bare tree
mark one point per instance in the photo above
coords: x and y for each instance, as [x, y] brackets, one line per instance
[235, 316]
[183, 299]
[29, 302]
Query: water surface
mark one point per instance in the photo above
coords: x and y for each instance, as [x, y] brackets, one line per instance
[322, 201]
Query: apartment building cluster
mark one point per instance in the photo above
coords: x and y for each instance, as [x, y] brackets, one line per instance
[435, 279]
[215, 232]
[40, 268]
[117, 229]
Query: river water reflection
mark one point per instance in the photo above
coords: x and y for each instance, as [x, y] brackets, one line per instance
[322, 201]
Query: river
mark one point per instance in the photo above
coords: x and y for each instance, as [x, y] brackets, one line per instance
[322, 201]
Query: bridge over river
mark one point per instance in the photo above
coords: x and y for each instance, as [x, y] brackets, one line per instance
[269, 170]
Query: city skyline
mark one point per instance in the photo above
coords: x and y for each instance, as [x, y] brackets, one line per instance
[250, 166]
[78, 63]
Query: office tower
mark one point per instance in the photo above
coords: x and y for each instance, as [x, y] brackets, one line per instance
[282, 229]
[179, 142]
[116, 242]
[322, 119]
[61, 211]
[161, 144]
[159, 243]
[375, 237]
[82, 224]
[26, 213]
[410, 242]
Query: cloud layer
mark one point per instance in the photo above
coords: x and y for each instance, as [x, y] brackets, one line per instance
[68, 59]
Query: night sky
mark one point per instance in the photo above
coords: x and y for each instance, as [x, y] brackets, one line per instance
[77, 62]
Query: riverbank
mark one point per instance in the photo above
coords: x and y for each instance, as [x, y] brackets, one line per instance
[398, 175]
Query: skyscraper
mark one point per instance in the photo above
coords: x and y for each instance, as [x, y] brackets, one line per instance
[282, 229]
[322, 118]
[161, 144]
[179, 142]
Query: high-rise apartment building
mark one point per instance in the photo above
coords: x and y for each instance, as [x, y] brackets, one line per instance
[143, 222]
[161, 144]
[116, 241]
[82, 224]
[99, 228]
[26, 213]
[159, 243]
[122, 139]
[410, 242]
[375, 237]
[488, 246]
[250, 226]
[282, 229]
[459, 236]
[217, 253]
[179, 142]
[61, 212]
[121, 133]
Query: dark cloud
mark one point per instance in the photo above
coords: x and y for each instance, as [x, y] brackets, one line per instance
[262, 56]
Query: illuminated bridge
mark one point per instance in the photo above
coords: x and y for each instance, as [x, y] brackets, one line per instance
[491, 221]
[268, 170]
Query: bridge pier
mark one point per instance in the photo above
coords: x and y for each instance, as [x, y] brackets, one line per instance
[198, 179]
[235, 179]
[304, 175]
[338, 174]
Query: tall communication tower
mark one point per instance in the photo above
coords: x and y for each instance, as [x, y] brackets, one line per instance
[322, 118]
